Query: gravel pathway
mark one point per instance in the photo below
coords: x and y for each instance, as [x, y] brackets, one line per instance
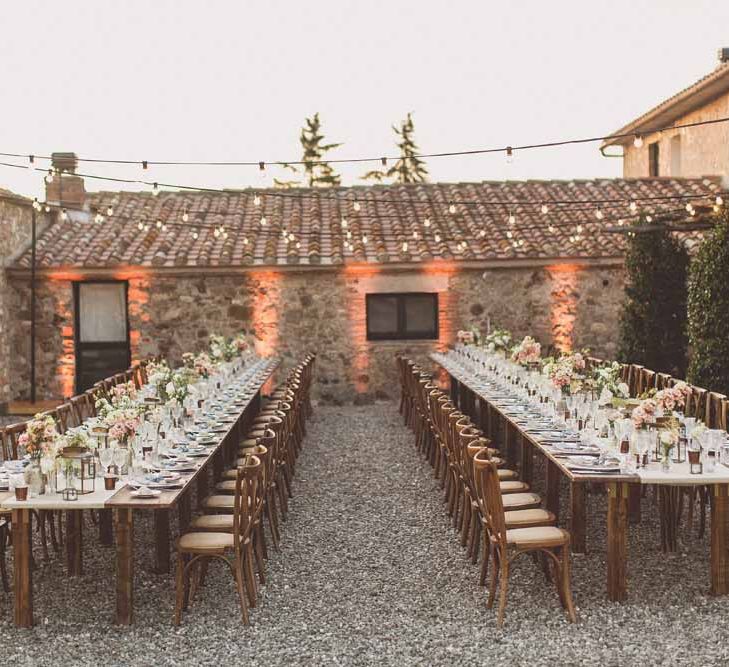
[370, 573]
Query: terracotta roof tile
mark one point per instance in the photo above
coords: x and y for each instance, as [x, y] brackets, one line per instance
[388, 215]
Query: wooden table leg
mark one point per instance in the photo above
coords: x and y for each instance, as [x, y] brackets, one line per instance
[719, 540]
[553, 476]
[509, 445]
[124, 566]
[617, 541]
[162, 541]
[74, 542]
[578, 517]
[184, 511]
[106, 528]
[202, 487]
[527, 459]
[668, 498]
[23, 575]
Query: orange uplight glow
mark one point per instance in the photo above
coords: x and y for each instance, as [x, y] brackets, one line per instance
[563, 304]
[447, 304]
[266, 306]
[138, 298]
[357, 325]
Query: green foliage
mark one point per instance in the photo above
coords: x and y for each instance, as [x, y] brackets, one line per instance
[409, 168]
[317, 172]
[653, 319]
[708, 310]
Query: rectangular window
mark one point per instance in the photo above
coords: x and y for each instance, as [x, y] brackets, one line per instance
[102, 331]
[409, 316]
[653, 156]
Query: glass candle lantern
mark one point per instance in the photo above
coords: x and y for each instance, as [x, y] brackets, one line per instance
[76, 470]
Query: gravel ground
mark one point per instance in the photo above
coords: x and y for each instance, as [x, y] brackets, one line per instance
[370, 573]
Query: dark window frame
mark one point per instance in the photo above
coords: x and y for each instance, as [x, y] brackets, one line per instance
[80, 346]
[654, 157]
[402, 333]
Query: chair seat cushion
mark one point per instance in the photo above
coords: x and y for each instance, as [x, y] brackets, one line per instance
[516, 500]
[543, 536]
[528, 518]
[513, 486]
[205, 542]
[256, 433]
[219, 502]
[221, 523]
[226, 486]
[248, 442]
[504, 473]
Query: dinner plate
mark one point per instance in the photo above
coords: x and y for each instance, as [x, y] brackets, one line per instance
[155, 493]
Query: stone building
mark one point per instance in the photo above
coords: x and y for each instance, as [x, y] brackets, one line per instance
[356, 273]
[688, 152]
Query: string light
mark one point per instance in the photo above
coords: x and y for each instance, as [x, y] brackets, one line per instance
[383, 161]
[509, 155]
[344, 223]
[31, 159]
[482, 233]
[512, 219]
[689, 207]
[426, 222]
[545, 209]
[356, 206]
[415, 234]
[598, 213]
[49, 176]
[633, 207]
[109, 210]
[262, 166]
[64, 214]
[551, 228]
[195, 235]
[437, 238]
[452, 209]
[638, 141]
[364, 239]
[649, 218]
[155, 189]
[719, 200]
[405, 246]
[140, 226]
[159, 224]
[509, 234]
[185, 217]
[256, 200]
[579, 229]
[99, 218]
[245, 240]
[144, 165]
[264, 222]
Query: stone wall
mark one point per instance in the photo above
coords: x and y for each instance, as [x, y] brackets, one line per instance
[702, 151]
[292, 312]
[15, 214]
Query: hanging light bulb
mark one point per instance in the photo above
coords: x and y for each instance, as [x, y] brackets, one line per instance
[164, 227]
[633, 207]
[185, 217]
[482, 233]
[195, 235]
[364, 239]
[579, 229]
[621, 222]
[689, 207]
[155, 189]
[245, 240]
[572, 239]
[256, 200]
[159, 224]
[512, 219]
[262, 166]
[638, 141]
[545, 209]
[719, 200]
[298, 245]
[551, 229]
[356, 206]
[292, 237]
[216, 232]
[452, 209]
[98, 218]
[509, 155]
[383, 161]
[649, 218]
[509, 234]
[109, 210]
[426, 222]
[264, 222]
[598, 213]
[437, 238]
[49, 176]
[405, 246]
[349, 234]
[64, 214]
[521, 242]
[225, 235]
[144, 165]
[140, 226]
[415, 234]
[344, 223]
[146, 227]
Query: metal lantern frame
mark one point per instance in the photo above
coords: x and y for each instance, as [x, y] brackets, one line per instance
[83, 464]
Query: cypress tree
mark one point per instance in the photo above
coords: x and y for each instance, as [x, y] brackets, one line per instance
[409, 168]
[653, 319]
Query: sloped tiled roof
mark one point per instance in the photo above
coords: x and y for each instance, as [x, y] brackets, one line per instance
[667, 112]
[389, 216]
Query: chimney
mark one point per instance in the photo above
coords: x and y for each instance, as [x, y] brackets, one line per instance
[65, 188]
[723, 55]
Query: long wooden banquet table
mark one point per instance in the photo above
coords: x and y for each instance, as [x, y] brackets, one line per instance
[474, 397]
[120, 505]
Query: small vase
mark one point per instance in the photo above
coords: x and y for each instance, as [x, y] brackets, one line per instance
[666, 462]
[35, 478]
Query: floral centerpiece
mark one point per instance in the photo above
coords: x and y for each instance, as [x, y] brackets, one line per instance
[122, 422]
[498, 340]
[608, 386]
[178, 387]
[644, 415]
[222, 349]
[241, 344]
[466, 337]
[203, 365]
[159, 375]
[527, 352]
[567, 372]
[40, 438]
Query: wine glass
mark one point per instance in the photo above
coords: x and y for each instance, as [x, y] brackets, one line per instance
[120, 458]
[106, 456]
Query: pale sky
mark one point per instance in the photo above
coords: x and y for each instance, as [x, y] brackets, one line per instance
[233, 80]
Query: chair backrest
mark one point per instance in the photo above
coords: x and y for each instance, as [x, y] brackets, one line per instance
[246, 492]
[716, 416]
[493, 507]
[66, 417]
[12, 434]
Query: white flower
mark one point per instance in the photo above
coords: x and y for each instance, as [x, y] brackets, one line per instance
[605, 396]
[623, 390]
[170, 388]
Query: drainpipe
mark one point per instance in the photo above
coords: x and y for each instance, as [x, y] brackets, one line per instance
[32, 305]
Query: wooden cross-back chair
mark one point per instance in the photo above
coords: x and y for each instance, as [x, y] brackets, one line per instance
[715, 411]
[696, 403]
[12, 435]
[65, 417]
[646, 380]
[664, 380]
